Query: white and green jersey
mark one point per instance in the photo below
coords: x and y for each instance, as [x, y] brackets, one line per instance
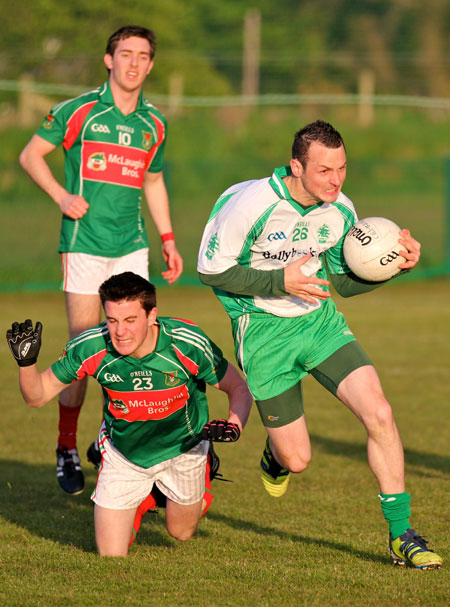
[154, 407]
[256, 224]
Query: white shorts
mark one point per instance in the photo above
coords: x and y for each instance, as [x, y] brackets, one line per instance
[121, 485]
[83, 273]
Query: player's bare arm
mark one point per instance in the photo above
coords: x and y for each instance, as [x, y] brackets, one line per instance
[412, 254]
[240, 399]
[158, 204]
[32, 160]
[298, 284]
[39, 388]
[240, 402]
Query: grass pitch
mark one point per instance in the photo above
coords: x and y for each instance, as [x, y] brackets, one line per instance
[323, 543]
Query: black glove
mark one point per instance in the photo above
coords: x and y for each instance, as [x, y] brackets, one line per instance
[25, 342]
[221, 431]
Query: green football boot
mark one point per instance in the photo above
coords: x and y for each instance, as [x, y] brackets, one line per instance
[275, 478]
[412, 549]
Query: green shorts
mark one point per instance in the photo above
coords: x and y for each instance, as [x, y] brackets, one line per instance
[288, 406]
[275, 353]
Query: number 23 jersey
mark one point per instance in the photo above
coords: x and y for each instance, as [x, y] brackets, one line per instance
[155, 406]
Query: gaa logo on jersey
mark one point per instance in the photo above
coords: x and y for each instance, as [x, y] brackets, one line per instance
[171, 378]
[120, 405]
[147, 139]
[100, 128]
[113, 377]
[276, 236]
[97, 161]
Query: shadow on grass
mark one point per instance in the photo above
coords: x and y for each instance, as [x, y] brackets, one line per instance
[241, 525]
[30, 498]
[418, 459]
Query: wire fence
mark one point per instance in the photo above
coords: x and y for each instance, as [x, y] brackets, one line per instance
[440, 103]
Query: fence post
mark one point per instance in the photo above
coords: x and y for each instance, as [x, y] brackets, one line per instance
[176, 89]
[250, 60]
[447, 212]
[366, 89]
[25, 104]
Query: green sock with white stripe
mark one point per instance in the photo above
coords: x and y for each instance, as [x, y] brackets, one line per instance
[396, 510]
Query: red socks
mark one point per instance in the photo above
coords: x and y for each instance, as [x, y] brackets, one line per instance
[68, 421]
[207, 496]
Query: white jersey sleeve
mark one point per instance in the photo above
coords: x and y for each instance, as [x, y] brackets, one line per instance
[257, 225]
[234, 224]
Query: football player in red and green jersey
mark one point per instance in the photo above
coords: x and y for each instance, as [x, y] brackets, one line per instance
[113, 141]
[153, 372]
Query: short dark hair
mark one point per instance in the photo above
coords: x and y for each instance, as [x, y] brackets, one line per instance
[127, 31]
[128, 286]
[319, 131]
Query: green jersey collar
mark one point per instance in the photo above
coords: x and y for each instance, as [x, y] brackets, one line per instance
[279, 186]
[277, 183]
[164, 338]
[106, 97]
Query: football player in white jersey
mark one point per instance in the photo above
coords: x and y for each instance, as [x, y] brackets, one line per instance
[269, 250]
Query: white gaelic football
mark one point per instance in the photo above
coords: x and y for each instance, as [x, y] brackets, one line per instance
[371, 249]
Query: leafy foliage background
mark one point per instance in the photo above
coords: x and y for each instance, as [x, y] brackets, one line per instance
[306, 45]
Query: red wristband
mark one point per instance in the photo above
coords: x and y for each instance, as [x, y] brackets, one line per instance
[167, 236]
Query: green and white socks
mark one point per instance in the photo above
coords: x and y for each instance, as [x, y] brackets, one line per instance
[396, 510]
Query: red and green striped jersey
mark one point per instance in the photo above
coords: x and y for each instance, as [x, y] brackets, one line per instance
[106, 157]
[154, 407]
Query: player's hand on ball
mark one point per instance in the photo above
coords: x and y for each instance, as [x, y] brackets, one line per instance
[221, 431]
[412, 253]
[25, 342]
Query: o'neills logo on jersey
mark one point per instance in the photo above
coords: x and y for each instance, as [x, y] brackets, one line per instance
[113, 163]
[97, 162]
[146, 405]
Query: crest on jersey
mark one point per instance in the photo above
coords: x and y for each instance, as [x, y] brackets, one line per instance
[323, 233]
[97, 162]
[147, 139]
[48, 122]
[171, 378]
[120, 405]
